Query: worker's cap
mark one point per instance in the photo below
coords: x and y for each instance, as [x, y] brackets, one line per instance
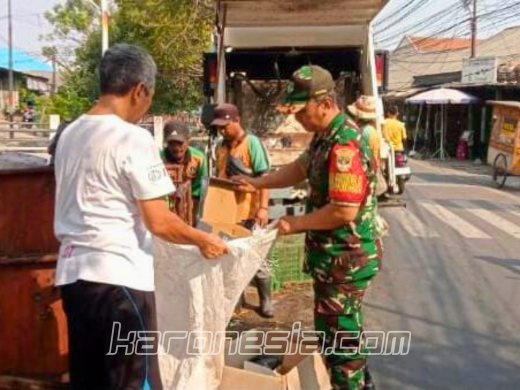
[225, 113]
[364, 108]
[307, 83]
[176, 131]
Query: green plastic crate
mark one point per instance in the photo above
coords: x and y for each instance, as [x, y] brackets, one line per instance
[286, 260]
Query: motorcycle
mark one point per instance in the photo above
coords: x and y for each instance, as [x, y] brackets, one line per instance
[402, 171]
[395, 170]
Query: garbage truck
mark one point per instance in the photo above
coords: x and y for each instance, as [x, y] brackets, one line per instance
[257, 46]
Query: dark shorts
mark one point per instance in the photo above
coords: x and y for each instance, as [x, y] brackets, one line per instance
[100, 318]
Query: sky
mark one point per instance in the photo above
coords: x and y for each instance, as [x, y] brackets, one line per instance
[29, 22]
[391, 29]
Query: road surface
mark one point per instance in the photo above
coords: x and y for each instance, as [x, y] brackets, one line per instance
[452, 278]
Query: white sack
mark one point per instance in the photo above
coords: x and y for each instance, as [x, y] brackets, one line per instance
[198, 295]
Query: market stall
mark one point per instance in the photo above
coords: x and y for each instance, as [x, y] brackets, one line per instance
[440, 98]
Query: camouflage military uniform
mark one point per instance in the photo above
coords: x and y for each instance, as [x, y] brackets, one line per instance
[342, 261]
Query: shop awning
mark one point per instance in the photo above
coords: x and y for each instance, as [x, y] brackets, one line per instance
[504, 103]
[398, 95]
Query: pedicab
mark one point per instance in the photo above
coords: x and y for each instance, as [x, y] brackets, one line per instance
[504, 144]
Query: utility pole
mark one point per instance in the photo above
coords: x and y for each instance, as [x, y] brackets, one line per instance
[53, 91]
[104, 26]
[102, 9]
[474, 30]
[11, 80]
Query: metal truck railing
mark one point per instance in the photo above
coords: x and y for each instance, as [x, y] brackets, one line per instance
[29, 137]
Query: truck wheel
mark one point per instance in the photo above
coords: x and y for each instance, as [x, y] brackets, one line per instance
[500, 170]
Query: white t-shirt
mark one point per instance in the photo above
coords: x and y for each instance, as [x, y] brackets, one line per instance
[103, 166]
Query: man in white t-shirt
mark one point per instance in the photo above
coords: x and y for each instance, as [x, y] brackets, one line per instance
[111, 188]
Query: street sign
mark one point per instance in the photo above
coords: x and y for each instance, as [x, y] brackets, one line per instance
[480, 70]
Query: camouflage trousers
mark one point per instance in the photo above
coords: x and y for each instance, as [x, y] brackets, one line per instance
[339, 319]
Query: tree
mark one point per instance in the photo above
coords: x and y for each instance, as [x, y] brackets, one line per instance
[175, 32]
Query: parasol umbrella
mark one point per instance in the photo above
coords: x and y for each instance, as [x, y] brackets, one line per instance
[441, 97]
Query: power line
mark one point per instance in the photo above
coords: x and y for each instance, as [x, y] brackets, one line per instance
[24, 15]
[485, 45]
[399, 13]
[405, 61]
[424, 24]
[473, 23]
[497, 12]
[419, 40]
[494, 18]
[502, 18]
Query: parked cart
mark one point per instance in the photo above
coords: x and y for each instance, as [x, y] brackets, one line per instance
[504, 145]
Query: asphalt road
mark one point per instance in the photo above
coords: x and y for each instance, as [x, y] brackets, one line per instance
[451, 277]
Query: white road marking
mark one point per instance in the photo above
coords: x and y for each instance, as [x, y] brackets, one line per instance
[413, 225]
[482, 181]
[462, 227]
[449, 185]
[509, 209]
[490, 217]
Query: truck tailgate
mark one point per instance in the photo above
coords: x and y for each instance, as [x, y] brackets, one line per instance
[297, 23]
[270, 13]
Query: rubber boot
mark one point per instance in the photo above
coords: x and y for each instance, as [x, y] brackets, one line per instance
[264, 293]
[369, 381]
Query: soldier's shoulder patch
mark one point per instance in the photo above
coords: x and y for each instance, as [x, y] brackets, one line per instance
[192, 168]
[343, 157]
[347, 180]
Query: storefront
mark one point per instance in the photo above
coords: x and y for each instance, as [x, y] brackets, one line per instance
[476, 118]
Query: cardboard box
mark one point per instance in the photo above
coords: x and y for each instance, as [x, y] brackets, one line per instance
[302, 367]
[221, 208]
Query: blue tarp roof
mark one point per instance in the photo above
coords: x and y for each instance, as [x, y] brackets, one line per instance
[22, 61]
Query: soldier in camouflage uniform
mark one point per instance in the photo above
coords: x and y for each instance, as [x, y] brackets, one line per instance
[343, 251]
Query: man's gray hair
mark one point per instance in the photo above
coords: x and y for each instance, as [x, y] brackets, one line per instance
[123, 67]
[332, 95]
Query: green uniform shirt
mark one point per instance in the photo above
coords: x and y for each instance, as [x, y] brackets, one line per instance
[253, 157]
[195, 168]
[339, 170]
[250, 151]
